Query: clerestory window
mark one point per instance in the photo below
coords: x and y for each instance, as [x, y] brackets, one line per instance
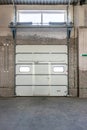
[42, 17]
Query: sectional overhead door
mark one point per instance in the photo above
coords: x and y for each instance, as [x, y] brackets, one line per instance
[41, 70]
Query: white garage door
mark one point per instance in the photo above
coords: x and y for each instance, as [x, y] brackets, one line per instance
[41, 70]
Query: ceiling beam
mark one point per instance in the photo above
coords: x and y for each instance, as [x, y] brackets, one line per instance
[42, 2]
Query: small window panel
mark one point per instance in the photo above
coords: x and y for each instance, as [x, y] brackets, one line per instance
[42, 17]
[53, 17]
[24, 69]
[30, 17]
[58, 69]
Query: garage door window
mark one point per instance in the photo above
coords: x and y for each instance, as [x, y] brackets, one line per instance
[58, 69]
[24, 69]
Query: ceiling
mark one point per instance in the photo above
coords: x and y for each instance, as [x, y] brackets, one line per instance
[38, 1]
[54, 2]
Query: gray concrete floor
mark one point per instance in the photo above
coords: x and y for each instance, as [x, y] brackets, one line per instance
[43, 113]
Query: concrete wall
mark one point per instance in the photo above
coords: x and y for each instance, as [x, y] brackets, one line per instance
[6, 52]
[82, 62]
[6, 16]
[80, 15]
[85, 11]
[80, 23]
[36, 37]
[73, 79]
[6, 66]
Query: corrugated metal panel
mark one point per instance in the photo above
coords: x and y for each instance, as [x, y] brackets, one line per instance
[38, 1]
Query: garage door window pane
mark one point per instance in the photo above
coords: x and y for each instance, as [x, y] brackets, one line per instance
[24, 69]
[34, 18]
[58, 69]
[55, 17]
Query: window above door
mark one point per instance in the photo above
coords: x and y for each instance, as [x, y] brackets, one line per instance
[42, 17]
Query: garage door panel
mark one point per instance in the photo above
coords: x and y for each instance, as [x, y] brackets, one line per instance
[24, 80]
[41, 80]
[41, 90]
[41, 48]
[50, 57]
[31, 57]
[62, 58]
[41, 68]
[24, 91]
[24, 69]
[24, 58]
[58, 91]
[58, 80]
[41, 57]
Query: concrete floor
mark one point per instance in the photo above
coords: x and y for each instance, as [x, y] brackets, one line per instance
[43, 113]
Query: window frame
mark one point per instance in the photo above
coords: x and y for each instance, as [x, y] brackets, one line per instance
[42, 12]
